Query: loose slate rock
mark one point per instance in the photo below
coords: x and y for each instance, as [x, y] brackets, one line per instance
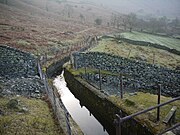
[12, 104]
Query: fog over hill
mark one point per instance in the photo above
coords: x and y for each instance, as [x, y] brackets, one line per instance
[169, 8]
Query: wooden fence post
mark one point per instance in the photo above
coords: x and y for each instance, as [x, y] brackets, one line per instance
[129, 53]
[153, 58]
[159, 98]
[121, 86]
[100, 81]
[85, 70]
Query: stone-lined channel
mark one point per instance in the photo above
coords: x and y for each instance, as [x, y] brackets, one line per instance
[82, 116]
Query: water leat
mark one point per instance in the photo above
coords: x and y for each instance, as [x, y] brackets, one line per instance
[82, 116]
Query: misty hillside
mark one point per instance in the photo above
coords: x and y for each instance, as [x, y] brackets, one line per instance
[29, 24]
[170, 8]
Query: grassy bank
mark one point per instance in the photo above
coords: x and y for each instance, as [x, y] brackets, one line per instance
[30, 116]
[123, 49]
[166, 41]
[141, 101]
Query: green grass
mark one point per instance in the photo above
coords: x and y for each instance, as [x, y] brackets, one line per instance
[141, 101]
[166, 41]
[162, 57]
[37, 120]
[92, 70]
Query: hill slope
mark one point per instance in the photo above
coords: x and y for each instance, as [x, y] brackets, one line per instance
[39, 25]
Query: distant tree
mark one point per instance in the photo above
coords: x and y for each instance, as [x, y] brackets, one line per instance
[141, 24]
[175, 22]
[153, 25]
[98, 21]
[68, 9]
[82, 17]
[118, 21]
[131, 19]
[113, 19]
[175, 26]
[163, 24]
[124, 22]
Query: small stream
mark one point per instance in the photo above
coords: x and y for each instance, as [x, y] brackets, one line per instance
[82, 116]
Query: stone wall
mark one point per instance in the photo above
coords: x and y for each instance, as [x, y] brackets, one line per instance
[15, 63]
[18, 73]
[145, 76]
[143, 43]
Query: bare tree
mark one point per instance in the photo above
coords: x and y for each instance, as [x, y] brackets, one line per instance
[153, 25]
[163, 23]
[124, 22]
[113, 19]
[82, 17]
[131, 19]
[98, 21]
[175, 22]
[141, 24]
[68, 9]
[119, 19]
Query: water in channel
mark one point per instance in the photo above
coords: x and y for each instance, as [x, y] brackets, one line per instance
[82, 116]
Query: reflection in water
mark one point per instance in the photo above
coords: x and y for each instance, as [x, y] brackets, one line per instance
[87, 122]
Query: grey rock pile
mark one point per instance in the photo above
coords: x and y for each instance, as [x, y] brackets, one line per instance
[18, 73]
[15, 63]
[23, 86]
[141, 75]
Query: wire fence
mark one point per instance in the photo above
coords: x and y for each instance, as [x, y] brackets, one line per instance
[115, 83]
[68, 50]
[58, 107]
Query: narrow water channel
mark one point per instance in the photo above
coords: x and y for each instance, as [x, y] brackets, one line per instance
[82, 116]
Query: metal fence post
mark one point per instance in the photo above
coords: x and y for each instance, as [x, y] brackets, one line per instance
[118, 123]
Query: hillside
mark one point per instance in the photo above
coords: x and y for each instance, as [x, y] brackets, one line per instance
[170, 8]
[44, 26]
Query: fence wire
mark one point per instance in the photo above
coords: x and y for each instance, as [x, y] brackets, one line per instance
[58, 107]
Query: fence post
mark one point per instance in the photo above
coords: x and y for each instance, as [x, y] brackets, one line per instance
[153, 58]
[121, 86]
[129, 53]
[85, 70]
[118, 123]
[54, 98]
[159, 98]
[100, 81]
[75, 61]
